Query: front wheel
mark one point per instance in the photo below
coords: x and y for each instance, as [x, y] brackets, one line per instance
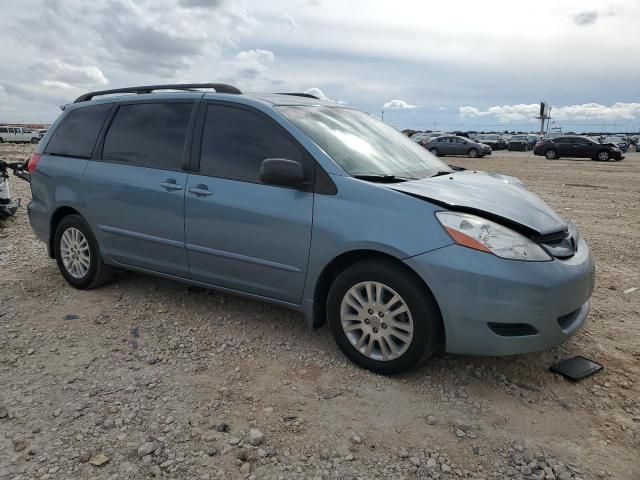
[382, 317]
[473, 153]
[551, 154]
[434, 151]
[34, 140]
[78, 255]
[604, 156]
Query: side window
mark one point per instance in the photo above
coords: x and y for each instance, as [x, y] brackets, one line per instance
[235, 141]
[11, 130]
[78, 131]
[3, 130]
[148, 135]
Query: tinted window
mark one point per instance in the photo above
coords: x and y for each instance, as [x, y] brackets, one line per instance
[236, 141]
[148, 135]
[562, 140]
[78, 131]
[3, 130]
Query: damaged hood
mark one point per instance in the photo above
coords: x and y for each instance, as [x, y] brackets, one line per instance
[500, 196]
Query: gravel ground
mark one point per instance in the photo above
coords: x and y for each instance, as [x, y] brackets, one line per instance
[147, 378]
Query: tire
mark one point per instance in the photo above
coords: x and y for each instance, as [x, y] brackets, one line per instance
[603, 156]
[551, 154]
[81, 277]
[422, 319]
[473, 153]
[434, 151]
[34, 140]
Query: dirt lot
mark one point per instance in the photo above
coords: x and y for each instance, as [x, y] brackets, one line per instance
[145, 377]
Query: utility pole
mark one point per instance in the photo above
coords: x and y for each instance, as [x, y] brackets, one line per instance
[383, 115]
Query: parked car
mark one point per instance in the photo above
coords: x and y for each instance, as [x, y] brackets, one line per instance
[518, 142]
[17, 134]
[454, 145]
[310, 205]
[419, 137]
[577, 147]
[620, 142]
[494, 141]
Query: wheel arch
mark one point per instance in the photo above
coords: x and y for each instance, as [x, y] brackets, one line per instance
[342, 262]
[56, 218]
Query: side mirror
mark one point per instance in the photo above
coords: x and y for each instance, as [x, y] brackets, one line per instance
[283, 172]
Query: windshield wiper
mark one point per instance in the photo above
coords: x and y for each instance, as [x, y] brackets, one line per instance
[442, 172]
[382, 178]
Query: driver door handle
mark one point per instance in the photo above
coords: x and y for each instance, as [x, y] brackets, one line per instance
[170, 184]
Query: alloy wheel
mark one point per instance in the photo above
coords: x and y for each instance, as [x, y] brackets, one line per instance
[603, 156]
[376, 320]
[75, 253]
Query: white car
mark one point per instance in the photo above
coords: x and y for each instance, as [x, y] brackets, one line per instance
[18, 134]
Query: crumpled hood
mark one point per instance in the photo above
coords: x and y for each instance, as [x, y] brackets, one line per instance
[498, 195]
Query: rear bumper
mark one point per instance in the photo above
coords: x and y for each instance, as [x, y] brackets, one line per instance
[39, 221]
[475, 289]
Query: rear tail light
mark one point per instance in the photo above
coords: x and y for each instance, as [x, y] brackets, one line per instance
[539, 142]
[33, 162]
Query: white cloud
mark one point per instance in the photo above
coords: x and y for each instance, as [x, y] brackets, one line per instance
[59, 72]
[528, 112]
[399, 105]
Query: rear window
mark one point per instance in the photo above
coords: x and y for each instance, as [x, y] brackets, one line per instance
[78, 131]
[148, 135]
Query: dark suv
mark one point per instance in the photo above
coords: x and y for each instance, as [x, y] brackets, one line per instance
[577, 147]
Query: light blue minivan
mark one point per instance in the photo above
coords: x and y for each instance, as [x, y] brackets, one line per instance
[315, 206]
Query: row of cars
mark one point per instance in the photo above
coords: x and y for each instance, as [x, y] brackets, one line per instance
[552, 146]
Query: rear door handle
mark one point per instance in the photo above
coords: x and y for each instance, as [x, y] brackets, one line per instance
[171, 184]
[200, 190]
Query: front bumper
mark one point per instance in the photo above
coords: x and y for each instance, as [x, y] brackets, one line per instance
[475, 290]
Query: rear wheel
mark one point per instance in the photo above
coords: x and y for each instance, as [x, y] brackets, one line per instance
[382, 317]
[604, 156]
[78, 255]
[473, 153]
[434, 151]
[551, 154]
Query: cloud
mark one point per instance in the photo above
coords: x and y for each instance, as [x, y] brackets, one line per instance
[61, 73]
[250, 64]
[528, 112]
[201, 3]
[589, 17]
[585, 18]
[399, 105]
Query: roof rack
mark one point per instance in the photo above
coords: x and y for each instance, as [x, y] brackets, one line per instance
[307, 95]
[218, 87]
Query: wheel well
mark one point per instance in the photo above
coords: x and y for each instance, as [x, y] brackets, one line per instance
[56, 218]
[338, 265]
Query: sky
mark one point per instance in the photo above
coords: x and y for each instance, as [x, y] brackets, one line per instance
[468, 65]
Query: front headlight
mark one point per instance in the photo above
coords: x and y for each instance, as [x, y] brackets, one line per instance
[487, 236]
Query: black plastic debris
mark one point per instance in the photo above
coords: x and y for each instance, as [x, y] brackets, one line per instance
[576, 368]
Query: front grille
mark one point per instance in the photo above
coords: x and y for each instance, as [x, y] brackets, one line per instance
[565, 321]
[512, 329]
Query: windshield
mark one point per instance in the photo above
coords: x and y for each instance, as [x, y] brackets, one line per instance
[362, 145]
[518, 137]
[488, 137]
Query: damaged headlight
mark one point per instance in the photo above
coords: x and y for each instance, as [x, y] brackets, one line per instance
[487, 236]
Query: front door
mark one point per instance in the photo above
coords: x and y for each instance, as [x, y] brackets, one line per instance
[242, 234]
[135, 191]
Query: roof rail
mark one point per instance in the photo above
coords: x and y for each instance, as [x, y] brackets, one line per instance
[218, 87]
[307, 95]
